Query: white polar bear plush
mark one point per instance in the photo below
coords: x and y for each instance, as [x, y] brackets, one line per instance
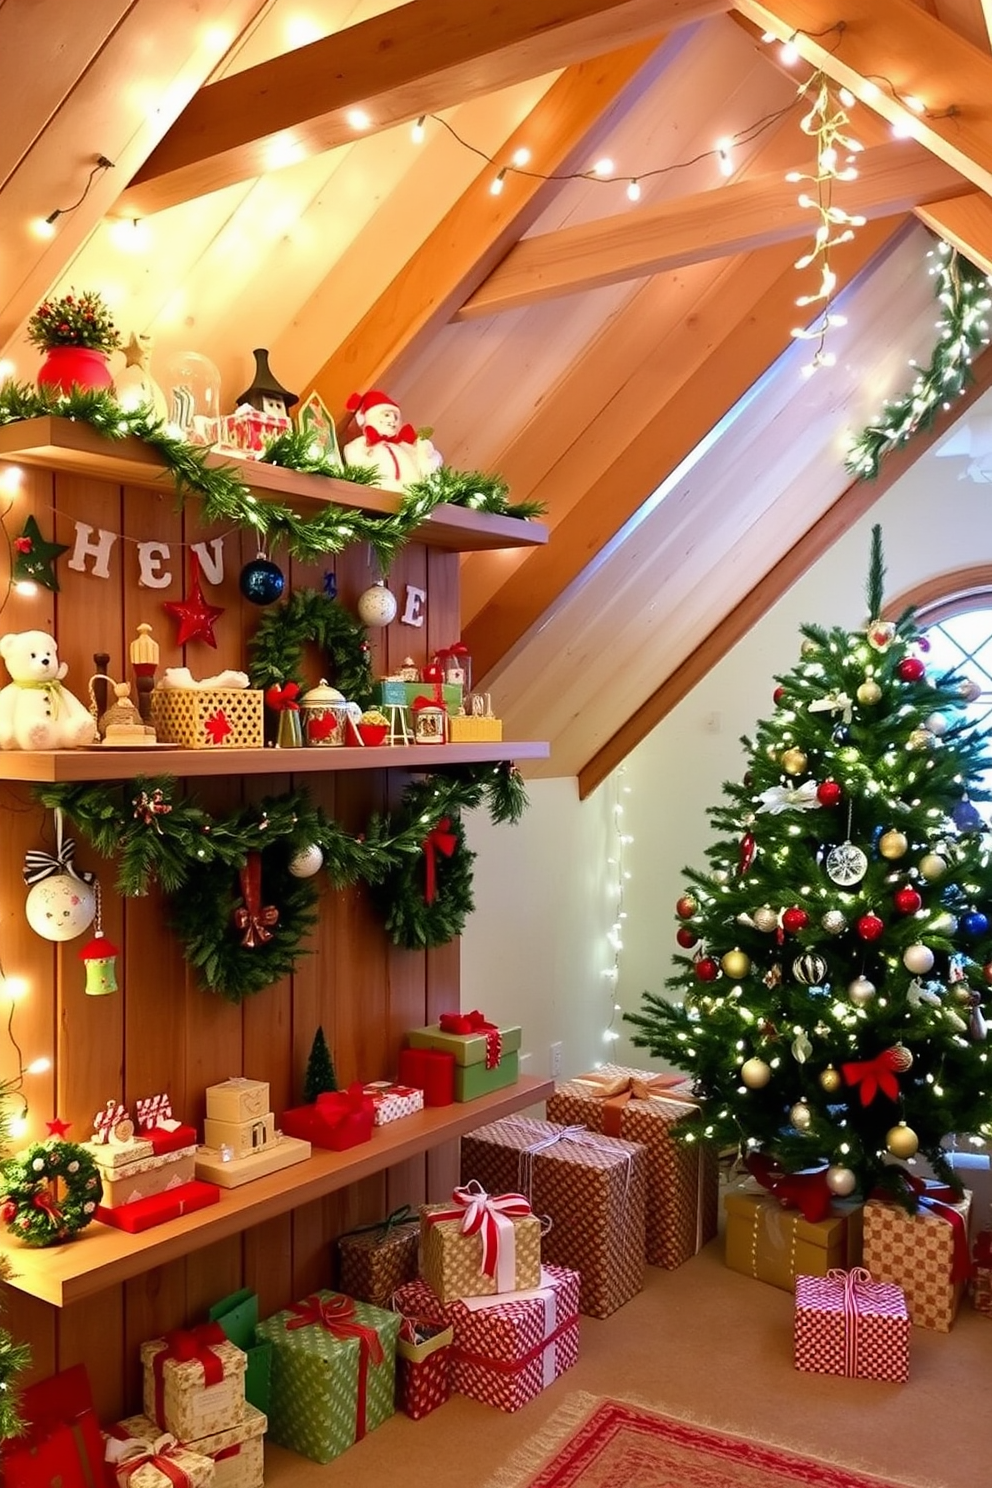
[36, 711]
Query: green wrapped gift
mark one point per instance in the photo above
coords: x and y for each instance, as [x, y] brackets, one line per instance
[333, 1373]
[389, 692]
[473, 1080]
[468, 1048]
[238, 1316]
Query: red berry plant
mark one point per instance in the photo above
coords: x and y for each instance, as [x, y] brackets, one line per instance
[74, 320]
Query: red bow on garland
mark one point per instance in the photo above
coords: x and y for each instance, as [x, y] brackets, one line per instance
[807, 1191]
[250, 917]
[874, 1075]
[283, 699]
[405, 435]
[439, 839]
[44, 1200]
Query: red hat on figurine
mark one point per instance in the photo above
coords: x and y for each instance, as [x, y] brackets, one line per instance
[361, 403]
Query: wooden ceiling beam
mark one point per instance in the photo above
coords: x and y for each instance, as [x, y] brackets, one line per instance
[418, 58]
[966, 223]
[739, 217]
[478, 229]
[852, 504]
[716, 352]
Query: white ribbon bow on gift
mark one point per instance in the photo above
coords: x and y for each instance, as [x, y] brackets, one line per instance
[492, 1218]
[783, 798]
[123, 1449]
[834, 702]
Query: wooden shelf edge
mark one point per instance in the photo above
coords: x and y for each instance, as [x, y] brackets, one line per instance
[67, 445]
[62, 765]
[102, 1256]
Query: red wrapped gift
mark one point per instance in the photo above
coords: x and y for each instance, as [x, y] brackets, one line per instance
[338, 1119]
[431, 1071]
[845, 1323]
[981, 1276]
[144, 1214]
[423, 1367]
[165, 1139]
[63, 1443]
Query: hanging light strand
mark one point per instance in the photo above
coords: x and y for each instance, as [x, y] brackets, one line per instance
[614, 937]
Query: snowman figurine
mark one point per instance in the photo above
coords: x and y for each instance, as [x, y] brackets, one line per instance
[386, 445]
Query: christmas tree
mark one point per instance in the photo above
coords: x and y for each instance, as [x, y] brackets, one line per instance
[320, 1075]
[836, 954]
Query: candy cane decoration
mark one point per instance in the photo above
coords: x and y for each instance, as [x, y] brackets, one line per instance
[104, 1121]
[152, 1110]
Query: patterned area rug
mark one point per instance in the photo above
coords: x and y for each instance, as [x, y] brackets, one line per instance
[596, 1443]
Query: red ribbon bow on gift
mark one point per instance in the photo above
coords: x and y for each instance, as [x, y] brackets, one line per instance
[336, 1106]
[482, 1214]
[874, 1075]
[407, 434]
[939, 1199]
[336, 1315]
[251, 917]
[131, 1454]
[475, 1022]
[183, 1345]
[283, 699]
[439, 839]
[806, 1191]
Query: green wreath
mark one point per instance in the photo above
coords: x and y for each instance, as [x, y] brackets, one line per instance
[426, 899]
[308, 615]
[31, 1207]
[239, 959]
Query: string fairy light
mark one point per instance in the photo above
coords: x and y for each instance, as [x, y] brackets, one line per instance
[44, 227]
[12, 1094]
[620, 879]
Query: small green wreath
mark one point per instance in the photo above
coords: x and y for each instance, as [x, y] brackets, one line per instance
[308, 615]
[425, 903]
[50, 1192]
[235, 959]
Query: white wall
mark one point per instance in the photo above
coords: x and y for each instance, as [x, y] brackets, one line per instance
[536, 949]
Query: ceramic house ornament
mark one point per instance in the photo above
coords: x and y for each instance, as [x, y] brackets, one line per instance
[265, 392]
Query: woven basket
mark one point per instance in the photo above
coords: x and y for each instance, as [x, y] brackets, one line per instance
[214, 718]
[466, 729]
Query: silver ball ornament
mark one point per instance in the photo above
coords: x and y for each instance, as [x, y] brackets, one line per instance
[969, 689]
[834, 922]
[861, 991]
[918, 959]
[801, 1116]
[945, 923]
[937, 724]
[841, 1181]
[765, 919]
[755, 1073]
[809, 969]
[308, 861]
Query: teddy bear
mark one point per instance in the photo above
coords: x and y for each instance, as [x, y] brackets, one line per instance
[36, 711]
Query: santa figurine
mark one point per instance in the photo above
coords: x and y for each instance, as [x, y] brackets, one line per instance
[386, 445]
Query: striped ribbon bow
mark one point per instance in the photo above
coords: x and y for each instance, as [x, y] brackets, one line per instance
[39, 865]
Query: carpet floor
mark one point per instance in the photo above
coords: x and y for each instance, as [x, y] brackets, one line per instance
[709, 1345]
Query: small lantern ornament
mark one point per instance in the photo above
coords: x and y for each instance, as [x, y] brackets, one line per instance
[99, 957]
[430, 721]
[323, 711]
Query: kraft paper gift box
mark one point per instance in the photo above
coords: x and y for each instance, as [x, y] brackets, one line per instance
[238, 1316]
[62, 1443]
[333, 1373]
[592, 1188]
[423, 1367]
[376, 1259]
[241, 1136]
[981, 1280]
[139, 1455]
[391, 1101]
[479, 1244]
[506, 1350]
[238, 1099]
[338, 1119]
[237, 1454]
[682, 1203]
[146, 1175]
[776, 1245]
[194, 1382]
[925, 1253]
[845, 1323]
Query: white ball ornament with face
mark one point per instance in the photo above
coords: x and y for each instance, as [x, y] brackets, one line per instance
[60, 907]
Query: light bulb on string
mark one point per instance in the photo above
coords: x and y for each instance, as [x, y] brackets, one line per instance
[418, 130]
[496, 185]
[633, 189]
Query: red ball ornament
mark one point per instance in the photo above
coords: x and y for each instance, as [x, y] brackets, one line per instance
[707, 969]
[829, 793]
[870, 927]
[686, 907]
[907, 901]
[686, 938]
[794, 920]
[911, 669]
[987, 973]
[778, 694]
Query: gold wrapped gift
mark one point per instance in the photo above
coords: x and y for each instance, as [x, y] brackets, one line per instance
[777, 1245]
[479, 1244]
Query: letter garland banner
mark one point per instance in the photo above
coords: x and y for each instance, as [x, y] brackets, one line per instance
[225, 496]
[308, 615]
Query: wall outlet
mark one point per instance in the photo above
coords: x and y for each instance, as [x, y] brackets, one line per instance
[556, 1061]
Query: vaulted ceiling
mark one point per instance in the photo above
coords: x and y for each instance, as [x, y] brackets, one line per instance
[629, 363]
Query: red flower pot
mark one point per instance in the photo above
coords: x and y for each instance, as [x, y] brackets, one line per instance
[66, 367]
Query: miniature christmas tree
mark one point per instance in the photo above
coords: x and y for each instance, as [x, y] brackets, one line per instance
[838, 950]
[320, 1074]
[14, 1357]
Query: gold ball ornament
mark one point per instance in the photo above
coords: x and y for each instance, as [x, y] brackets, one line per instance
[809, 649]
[869, 693]
[801, 1116]
[921, 739]
[736, 964]
[841, 1181]
[933, 866]
[765, 919]
[902, 1141]
[893, 845]
[831, 1079]
[794, 762]
[755, 1073]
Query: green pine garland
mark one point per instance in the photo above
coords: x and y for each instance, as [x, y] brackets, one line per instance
[29, 1207]
[963, 295]
[308, 615]
[408, 918]
[225, 497]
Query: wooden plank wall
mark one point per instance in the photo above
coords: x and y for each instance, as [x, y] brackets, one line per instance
[160, 1032]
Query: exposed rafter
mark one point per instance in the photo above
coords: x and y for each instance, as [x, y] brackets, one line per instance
[744, 215]
[418, 58]
[966, 222]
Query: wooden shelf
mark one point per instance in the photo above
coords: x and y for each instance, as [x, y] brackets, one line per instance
[103, 1256]
[56, 765]
[63, 444]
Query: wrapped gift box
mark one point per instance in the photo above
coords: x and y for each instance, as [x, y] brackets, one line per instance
[139, 1455]
[592, 1188]
[922, 1253]
[845, 1323]
[777, 1245]
[238, 1454]
[238, 1099]
[389, 692]
[173, 1203]
[391, 1101]
[333, 1373]
[170, 1138]
[145, 1176]
[111, 1156]
[62, 1443]
[338, 1119]
[468, 1048]
[238, 1316]
[241, 1136]
[473, 1080]
[215, 1166]
[503, 1255]
[423, 1367]
[248, 431]
[208, 717]
[981, 1279]
[376, 1259]
[466, 728]
[194, 1382]
[506, 1350]
[682, 1202]
[431, 1071]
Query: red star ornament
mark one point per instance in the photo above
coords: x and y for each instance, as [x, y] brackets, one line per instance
[196, 617]
[58, 1128]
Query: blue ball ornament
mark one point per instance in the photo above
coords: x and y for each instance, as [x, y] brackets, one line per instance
[974, 923]
[966, 816]
[261, 581]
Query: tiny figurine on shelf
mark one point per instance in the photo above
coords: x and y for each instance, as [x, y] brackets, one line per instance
[120, 723]
[284, 702]
[144, 655]
[36, 711]
[313, 418]
[408, 671]
[261, 412]
[324, 712]
[99, 956]
[135, 385]
[320, 1076]
[430, 721]
[394, 450]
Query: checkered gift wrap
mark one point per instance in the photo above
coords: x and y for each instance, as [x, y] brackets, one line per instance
[682, 1204]
[776, 1245]
[391, 1101]
[506, 1350]
[479, 1244]
[423, 1367]
[920, 1252]
[141, 1456]
[592, 1188]
[845, 1323]
[374, 1260]
[981, 1276]
[333, 1373]
[194, 1382]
